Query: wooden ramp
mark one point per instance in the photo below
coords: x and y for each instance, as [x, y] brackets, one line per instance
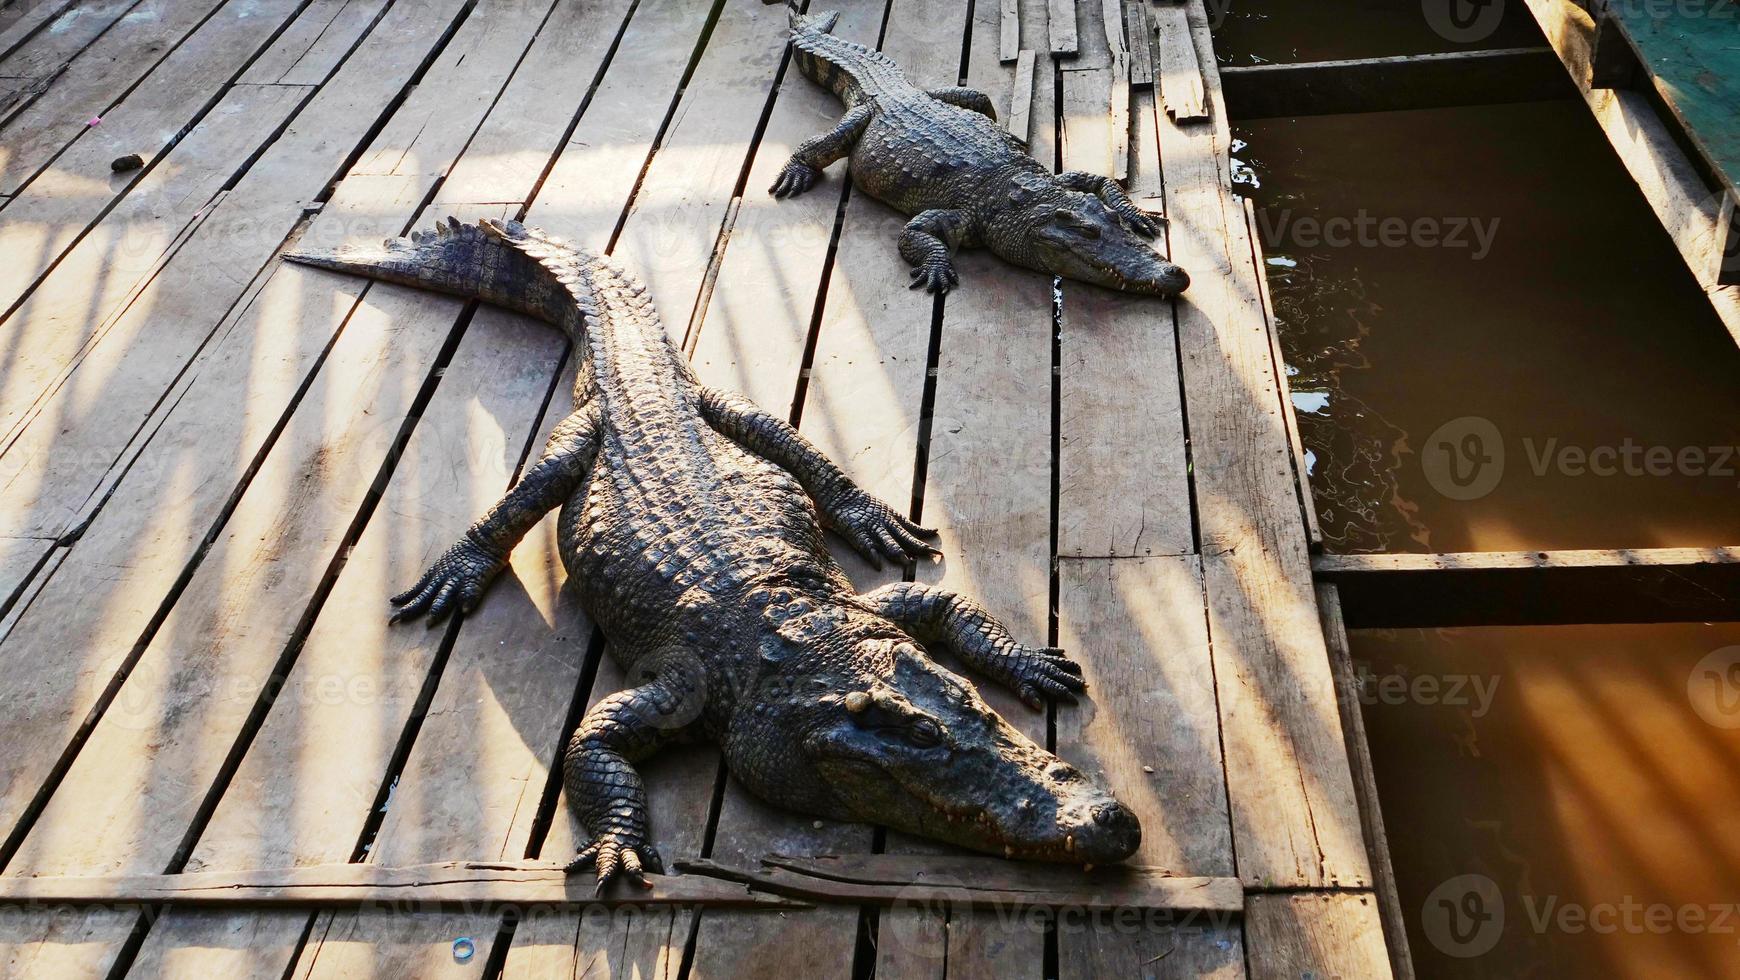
[215, 467]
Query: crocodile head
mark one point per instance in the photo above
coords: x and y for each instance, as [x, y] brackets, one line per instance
[875, 732]
[1076, 236]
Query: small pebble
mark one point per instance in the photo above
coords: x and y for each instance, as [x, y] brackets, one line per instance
[131, 161]
[1147, 768]
[817, 825]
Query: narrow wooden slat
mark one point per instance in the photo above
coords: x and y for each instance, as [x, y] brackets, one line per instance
[1259, 270]
[1021, 106]
[1009, 32]
[1141, 39]
[421, 888]
[1295, 817]
[1061, 25]
[978, 883]
[1334, 934]
[1365, 784]
[1648, 585]
[1179, 70]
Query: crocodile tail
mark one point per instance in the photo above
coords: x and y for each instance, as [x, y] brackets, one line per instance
[503, 263]
[836, 63]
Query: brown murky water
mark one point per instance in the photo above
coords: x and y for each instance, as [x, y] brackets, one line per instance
[1256, 32]
[1562, 801]
[1493, 344]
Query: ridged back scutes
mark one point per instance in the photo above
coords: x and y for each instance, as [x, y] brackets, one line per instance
[872, 70]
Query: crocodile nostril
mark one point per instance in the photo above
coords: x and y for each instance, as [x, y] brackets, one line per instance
[1110, 814]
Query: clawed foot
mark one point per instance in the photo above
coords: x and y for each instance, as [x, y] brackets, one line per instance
[796, 178]
[1036, 673]
[935, 275]
[615, 852]
[455, 581]
[1145, 223]
[875, 530]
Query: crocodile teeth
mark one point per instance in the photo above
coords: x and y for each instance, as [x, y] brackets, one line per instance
[1008, 851]
[1069, 843]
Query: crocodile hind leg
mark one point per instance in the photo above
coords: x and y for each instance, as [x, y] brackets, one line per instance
[1144, 223]
[928, 242]
[956, 623]
[459, 576]
[970, 99]
[875, 529]
[816, 153]
[604, 788]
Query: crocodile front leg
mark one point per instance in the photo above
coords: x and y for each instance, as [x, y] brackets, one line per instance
[958, 624]
[970, 99]
[1144, 223]
[816, 153]
[875, 529]
[928, 242]
[604, 788]
[459, 576]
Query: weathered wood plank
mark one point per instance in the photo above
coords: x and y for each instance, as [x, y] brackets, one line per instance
[1246, 235]
[1140, 35]
[1422, 81]
[20, 22]
[1021, 105]
[1123, 484]
[1179, 68]
[1377, 843]
[1650, 585]
[29, 71]
[1009, 31]
[263, 361]
[1061, 24]
[1295, 818]
[470, 883]
[87, 82]
[987, 490]
[1334, 934]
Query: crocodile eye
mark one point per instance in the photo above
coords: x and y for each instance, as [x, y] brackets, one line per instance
[1088, 230]
[924, 733]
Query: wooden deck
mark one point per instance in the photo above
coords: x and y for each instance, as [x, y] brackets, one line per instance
[215, 467]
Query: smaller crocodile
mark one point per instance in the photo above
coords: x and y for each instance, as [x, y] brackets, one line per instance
[940, 157]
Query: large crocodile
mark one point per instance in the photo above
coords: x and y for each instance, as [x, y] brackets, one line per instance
[940, 157]
[689, 518]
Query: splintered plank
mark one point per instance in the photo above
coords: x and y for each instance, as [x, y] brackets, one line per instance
[1315, 934]
[987, 490]
[87, 80]
[1123, 485]
[1179, 68]
[1295, 818]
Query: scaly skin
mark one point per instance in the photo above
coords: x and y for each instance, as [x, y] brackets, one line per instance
[940, 157]
[692, 523]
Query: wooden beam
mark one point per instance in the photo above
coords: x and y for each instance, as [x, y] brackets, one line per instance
[1140, 35]
[1408, 82]
[1009, 32]
[1021, 103]
[1179, 70]
[1061, 25]
[978, 882]
[1371, 815]
[1298, 935]
[472, 885]
[1516, 588]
